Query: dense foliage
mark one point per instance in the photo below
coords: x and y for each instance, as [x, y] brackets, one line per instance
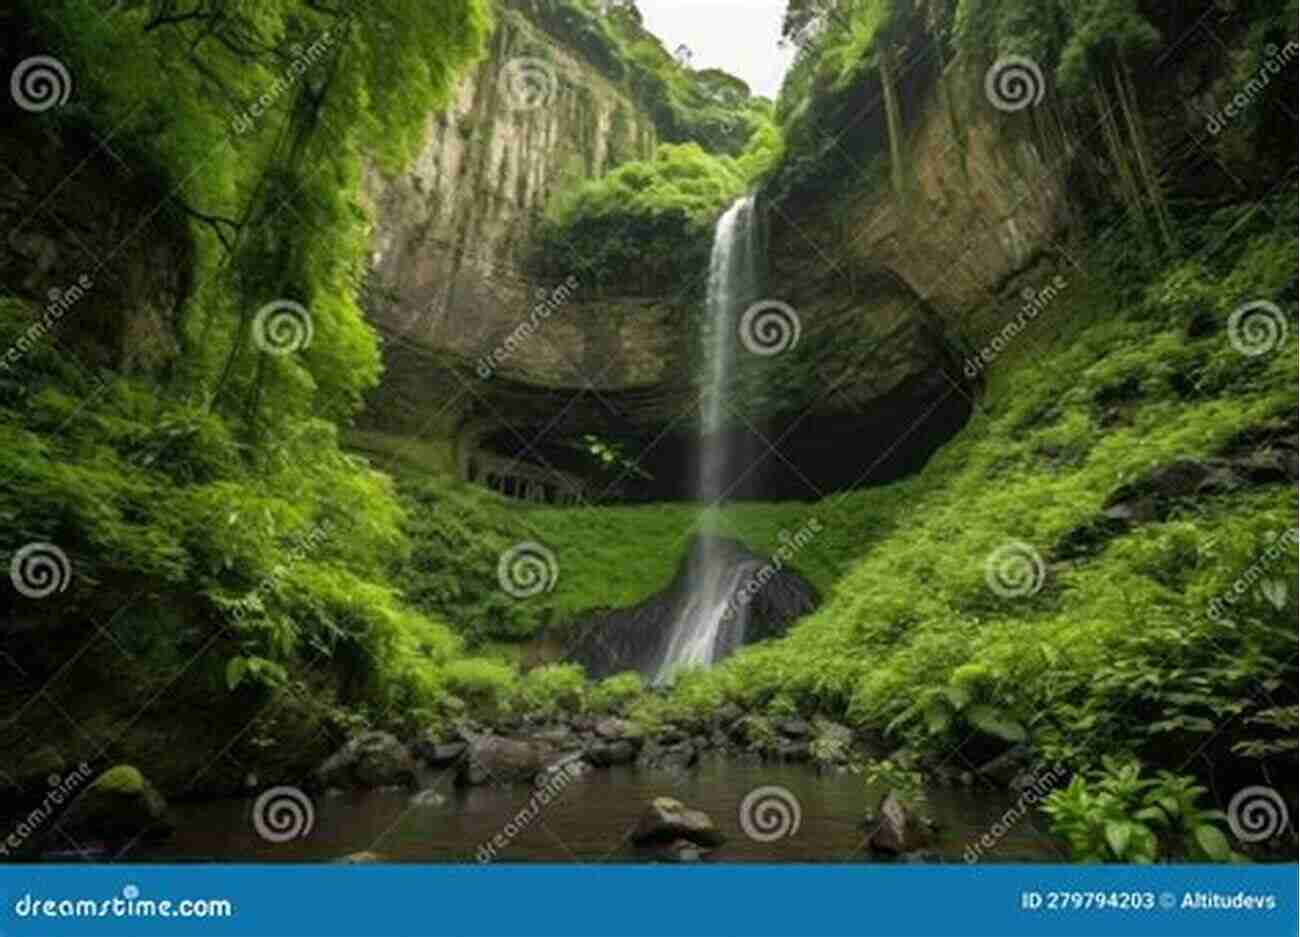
[221, 477]
[704, 106]
[640, 225]
[1118, 652]
[856, 50]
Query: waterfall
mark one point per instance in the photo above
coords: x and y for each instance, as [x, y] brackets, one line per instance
[708, 625]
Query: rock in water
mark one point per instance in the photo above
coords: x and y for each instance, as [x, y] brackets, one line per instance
[493, 758]
[120, 805]
[666, 819]
[614, 728]
[898, 830]
[611, 753]
[371, 759]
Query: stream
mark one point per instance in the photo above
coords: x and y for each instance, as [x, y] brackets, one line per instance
[588, 819]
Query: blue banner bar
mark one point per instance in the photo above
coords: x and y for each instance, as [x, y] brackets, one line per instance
[648, 901]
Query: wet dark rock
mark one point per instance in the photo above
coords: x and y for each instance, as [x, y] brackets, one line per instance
[728, 713]
[369, 760]
[666, 820]
[795, 728]
[617, 752]
[554, 736]
[437, 754]
[494, 759]
[1006, 767]
[617, 729]
[119, 806]
[793, 751]
[896, 829]
[636, 638]
[677, 757]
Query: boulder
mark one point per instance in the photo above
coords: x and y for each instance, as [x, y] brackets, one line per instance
[434, 753]
[618, 752]
[793, 750]
[675, 758]
[728, 713]
[369, 760]
[666, 820]
[493, 758]
[569, 764]
[896, 830]
[1006, 767]
[617, 729]
[795, 728]
[120, 805]
[554, 736]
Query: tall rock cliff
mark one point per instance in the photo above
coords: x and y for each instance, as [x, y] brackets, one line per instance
[469, 337]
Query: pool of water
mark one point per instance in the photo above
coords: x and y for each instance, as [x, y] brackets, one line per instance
[589, 818]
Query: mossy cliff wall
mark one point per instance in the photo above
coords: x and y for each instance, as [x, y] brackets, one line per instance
[449, 290]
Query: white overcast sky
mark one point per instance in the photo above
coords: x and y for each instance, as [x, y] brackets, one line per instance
[737, 36]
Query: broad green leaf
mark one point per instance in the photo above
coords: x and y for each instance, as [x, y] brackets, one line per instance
[995, 722]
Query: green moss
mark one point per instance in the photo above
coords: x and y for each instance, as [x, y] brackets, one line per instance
[120, 780]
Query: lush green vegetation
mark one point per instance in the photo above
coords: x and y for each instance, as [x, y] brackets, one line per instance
[644, 222]
[706, 106]
[216, 488]
[1117, 652]
[856, 50]
[221, 478]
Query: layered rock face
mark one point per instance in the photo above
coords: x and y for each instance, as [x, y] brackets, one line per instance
[471, 341]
